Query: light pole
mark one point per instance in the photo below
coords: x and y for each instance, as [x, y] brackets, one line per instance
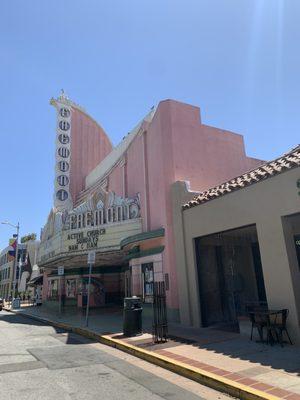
[16, 256]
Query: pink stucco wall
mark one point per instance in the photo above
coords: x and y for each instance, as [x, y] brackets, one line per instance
[115, 180]
[181, 148]
[177, 146]
[136, 175]
[89, 146]
[202, 154]
[129, 177]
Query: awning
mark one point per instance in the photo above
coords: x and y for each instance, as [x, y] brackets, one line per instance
[141, 237]
[36, 281]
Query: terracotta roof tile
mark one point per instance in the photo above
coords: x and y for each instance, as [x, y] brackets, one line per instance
[286, 162]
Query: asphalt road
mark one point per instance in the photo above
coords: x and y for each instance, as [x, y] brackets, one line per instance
[39, 362]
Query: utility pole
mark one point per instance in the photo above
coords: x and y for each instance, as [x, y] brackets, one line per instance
[91, 260]
[88, 296]
[16, 263]
[60, 273]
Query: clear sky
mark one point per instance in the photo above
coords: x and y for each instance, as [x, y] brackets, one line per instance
[238, 60]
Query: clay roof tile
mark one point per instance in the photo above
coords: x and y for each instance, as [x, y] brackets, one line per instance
[286, 162]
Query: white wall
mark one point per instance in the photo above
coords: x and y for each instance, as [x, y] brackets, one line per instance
[263, 204]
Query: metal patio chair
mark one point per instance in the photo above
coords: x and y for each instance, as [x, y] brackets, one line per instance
[279, 325]
[257, 320]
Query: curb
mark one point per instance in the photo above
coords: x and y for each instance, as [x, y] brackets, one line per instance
[206, 378]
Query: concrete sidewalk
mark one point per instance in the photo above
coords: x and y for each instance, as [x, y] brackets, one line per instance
[101, 320]
[216, 357]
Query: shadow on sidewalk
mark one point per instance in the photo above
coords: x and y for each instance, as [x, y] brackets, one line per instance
[69, 337]
[196, 342]
[239, 347]
[204, 344]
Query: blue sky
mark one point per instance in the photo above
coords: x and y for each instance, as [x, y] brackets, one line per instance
[239, 60]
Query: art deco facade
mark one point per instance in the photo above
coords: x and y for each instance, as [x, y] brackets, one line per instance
[117, 200]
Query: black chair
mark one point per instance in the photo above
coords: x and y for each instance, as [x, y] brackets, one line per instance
[257, 321]
[255, 324]
[280, 325]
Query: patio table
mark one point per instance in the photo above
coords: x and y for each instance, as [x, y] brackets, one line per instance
[264, 318]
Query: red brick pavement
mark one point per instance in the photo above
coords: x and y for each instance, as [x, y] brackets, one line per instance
[253, 383]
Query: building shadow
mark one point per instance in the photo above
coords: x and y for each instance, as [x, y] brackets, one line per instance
[240, 347]
[58, 333]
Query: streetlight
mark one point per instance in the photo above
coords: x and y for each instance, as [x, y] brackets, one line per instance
[16, 256]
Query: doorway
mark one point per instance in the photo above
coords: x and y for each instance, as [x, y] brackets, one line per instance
[229, 276]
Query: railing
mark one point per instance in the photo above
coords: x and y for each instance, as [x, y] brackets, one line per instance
[160, 320]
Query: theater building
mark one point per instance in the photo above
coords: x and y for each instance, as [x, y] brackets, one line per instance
[239, 243]
[117, 200]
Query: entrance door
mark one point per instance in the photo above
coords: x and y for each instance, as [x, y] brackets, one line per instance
[212, 285]
[218, 285]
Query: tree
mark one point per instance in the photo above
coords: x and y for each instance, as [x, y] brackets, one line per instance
[26, 238]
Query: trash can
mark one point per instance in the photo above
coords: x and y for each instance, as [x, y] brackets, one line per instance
[132, 316]
[16, 303]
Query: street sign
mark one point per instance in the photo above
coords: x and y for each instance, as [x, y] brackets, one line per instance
[60, 271]
[91, 257]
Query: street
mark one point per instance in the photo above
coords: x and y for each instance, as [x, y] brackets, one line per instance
[42, 362]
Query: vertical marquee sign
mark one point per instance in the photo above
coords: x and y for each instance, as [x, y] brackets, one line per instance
[62, 196]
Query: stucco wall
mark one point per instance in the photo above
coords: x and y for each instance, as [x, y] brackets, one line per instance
[178, 145]
[175, 145]
[135, 170]
[89, 146]
[263, 204]
[202, 154]
[115, 180]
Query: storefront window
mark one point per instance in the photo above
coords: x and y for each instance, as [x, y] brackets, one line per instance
[71, 288]
[53, 289]
[148, 279]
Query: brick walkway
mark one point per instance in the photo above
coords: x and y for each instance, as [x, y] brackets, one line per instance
[254, 383]
[271, 369]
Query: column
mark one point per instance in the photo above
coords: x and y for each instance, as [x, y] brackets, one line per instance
[277, 271]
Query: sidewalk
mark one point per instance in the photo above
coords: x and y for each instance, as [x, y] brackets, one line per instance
[207, 355]
[102, 320]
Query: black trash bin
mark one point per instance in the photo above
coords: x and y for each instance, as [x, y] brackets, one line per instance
[132, 316]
